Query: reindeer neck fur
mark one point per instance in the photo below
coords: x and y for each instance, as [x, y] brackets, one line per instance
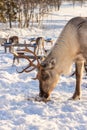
[65, 49]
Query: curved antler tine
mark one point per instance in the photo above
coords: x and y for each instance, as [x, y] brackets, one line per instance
[24, 69]
[20, 71]
[27, 58]
[37, 77]
[27, 71]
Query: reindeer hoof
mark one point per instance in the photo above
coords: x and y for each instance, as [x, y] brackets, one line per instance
[76, 97]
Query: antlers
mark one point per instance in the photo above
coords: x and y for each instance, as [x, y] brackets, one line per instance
[31, 66]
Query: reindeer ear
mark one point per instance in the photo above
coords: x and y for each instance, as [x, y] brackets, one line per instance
[53, 61]
[49, 65]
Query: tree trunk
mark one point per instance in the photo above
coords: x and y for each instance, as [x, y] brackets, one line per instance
[10, 22]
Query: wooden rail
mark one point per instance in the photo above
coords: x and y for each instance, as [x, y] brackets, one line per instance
[10, 46]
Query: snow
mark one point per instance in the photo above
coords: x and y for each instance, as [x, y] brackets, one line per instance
[18, 109]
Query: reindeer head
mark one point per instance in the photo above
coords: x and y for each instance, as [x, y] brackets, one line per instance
[48, 78]
[46, 74]
[14, 39]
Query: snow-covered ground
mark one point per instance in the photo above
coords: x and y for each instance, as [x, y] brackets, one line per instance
[18, 113]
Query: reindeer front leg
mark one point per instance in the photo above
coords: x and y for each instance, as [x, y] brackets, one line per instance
[79, 72]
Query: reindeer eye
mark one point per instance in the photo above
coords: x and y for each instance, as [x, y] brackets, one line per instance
[44, 65]
[45, 77]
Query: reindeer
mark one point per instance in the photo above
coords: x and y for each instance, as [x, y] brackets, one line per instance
[39, 48]
[70, 47]
[14, 40]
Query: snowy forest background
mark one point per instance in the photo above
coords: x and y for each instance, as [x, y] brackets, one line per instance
[26, 12]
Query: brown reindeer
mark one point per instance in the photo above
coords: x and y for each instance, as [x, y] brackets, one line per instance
[39, 48]
[70, 47]
[14, 39]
